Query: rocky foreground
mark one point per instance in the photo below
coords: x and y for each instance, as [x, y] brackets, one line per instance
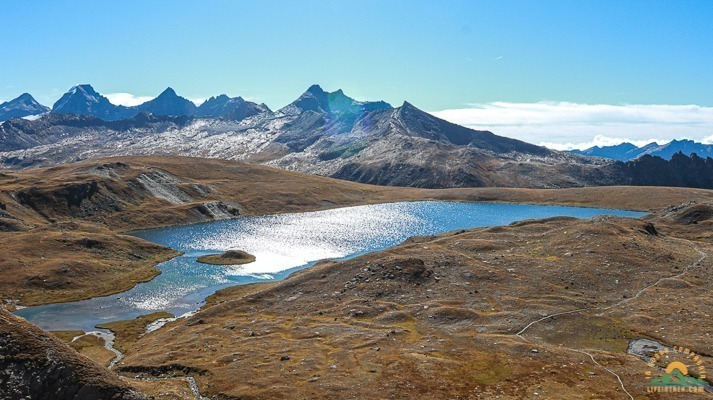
[36, 365]
[458, 315]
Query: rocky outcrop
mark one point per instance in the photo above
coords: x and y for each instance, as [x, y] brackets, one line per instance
[163, 185]
[10, 225]
[36, 365]
[218, 210]
[65, 199]
[680, 170]
[692, 220]
[99, 192]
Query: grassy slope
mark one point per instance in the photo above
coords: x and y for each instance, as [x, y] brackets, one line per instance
[56, 265]
[436, 317]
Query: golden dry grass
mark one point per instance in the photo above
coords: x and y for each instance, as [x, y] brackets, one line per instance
[128, 332]
[52, 264]
[437, 318]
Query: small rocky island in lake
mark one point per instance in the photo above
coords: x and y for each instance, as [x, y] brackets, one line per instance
[230, 257]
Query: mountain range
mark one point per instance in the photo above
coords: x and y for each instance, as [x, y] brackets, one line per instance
[84, 100]
[329, 134]
[324, 133]
[628, 151]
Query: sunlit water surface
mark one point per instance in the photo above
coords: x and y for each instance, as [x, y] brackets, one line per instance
[281, 244]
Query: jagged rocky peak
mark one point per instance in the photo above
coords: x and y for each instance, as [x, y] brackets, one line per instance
[211, 103]
[80, 93]
[407, 106]
[170, 95]
[217, 106]
[83, 99]
[220, 100]
[418, 123]
[169, 103]
[85, 89]
[408, 112]
[317, 100]
[234, 108]
[245, 109]
[167, 93]
[25, 99]
[314, 99]
[22, 106]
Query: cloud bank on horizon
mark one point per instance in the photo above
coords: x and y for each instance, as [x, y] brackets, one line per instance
[127, 99]
[567, 126]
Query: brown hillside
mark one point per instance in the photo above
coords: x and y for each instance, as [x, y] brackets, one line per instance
[438, 317]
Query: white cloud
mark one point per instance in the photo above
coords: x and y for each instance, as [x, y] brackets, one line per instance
[601, 141]
[570, 125]
[127, 99]
[198, 100]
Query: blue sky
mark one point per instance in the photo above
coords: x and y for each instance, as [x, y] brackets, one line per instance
[437, 55]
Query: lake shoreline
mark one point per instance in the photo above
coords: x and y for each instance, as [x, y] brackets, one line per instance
[384, 223]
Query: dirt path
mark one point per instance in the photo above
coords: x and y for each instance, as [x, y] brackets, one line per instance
[519, 334]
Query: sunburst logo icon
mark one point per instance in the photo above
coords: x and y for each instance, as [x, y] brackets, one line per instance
[676, 370]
